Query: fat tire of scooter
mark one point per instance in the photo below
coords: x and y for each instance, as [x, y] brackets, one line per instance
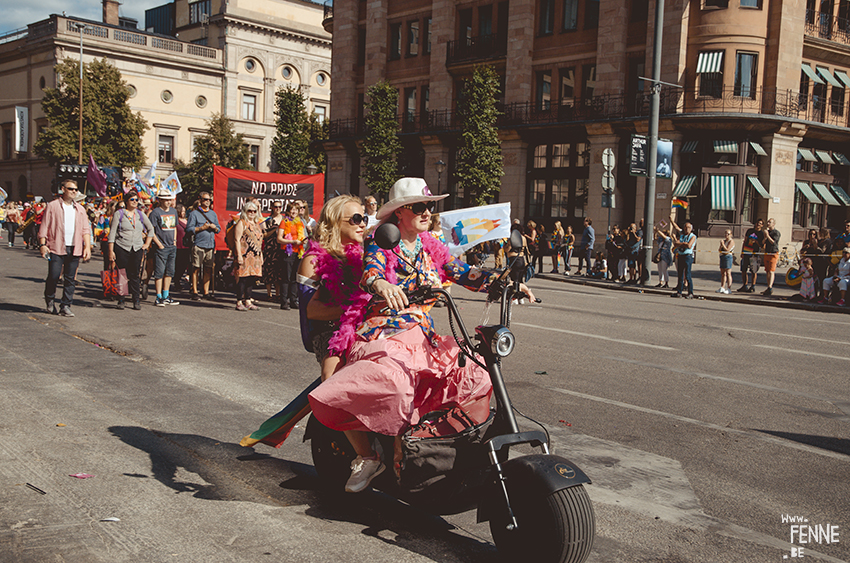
[557, 528]
[332, 454]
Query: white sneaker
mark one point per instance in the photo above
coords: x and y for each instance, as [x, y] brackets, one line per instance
[727, 291]
[362, 473]
[721, 290]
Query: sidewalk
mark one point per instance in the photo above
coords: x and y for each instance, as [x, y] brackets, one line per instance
[706, 281]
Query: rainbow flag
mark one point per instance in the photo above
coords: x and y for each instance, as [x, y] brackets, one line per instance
[680, 203]
[276, 429]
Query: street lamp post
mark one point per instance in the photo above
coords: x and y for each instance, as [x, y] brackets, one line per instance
[81, 27]
[441, 167]
[312, 169]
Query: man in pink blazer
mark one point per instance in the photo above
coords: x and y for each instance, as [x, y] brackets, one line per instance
[64, 238]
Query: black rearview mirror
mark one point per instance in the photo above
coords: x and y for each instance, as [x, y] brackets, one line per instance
[516, 239]
[387, 236]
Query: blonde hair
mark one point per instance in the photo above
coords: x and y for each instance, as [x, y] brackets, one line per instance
[243, 215]
[559, 230]
[327, 233]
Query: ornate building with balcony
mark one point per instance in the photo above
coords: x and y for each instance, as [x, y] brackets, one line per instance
[759, 123]
[195, 58]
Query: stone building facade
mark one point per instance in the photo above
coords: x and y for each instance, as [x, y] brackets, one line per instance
[759, 125]
[214, 57]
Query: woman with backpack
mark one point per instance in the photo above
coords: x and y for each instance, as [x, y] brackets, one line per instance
[130, 235]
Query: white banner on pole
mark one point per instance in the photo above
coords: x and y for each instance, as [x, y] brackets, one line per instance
[22, 120]
[465, 228]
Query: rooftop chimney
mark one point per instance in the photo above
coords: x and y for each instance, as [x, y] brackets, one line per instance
[110, 12]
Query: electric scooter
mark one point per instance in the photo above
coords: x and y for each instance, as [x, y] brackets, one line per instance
[535, 504]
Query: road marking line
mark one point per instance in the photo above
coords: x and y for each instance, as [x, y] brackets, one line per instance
[709, 425]
[804, 352]
[597, 336]
[728, 380]
[781, 334]
[278, 324]
[819, 320]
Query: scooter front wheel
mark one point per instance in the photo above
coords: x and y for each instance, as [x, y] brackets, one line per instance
[557, 528]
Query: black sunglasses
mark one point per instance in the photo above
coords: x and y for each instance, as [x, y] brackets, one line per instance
[419, 207]
[357, 219]
[71, 188]
[206, 199]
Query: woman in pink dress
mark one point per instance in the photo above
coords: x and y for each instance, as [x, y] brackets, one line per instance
[398, 368]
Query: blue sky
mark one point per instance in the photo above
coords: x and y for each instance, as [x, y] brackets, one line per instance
[17, 14]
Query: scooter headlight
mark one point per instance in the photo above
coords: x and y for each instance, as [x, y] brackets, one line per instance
[503, 342]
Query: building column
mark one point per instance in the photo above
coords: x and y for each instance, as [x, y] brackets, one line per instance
[518, 74]
[514, 188]
[611, 63]
[778, 174]
[344, 61]
[441, 84]
[376, 42]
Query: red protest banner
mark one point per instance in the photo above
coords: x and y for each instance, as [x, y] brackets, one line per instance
[232, 188]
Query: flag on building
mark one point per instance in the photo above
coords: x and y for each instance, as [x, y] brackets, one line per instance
[465, 228]
[680, 203]
[96, 178]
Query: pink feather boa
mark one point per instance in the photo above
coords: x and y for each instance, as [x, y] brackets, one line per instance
[432, 246]
[331, 270]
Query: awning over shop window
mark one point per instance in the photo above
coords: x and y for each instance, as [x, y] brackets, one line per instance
[723, 193]
[690, 147]
[843, 77]
[709, 61]
[829, 78]
[840, 158]
[807, 155]
[684, 186]
[841, 194]
[726, 147]
[756, 183]
[825, 194]
[807, 192]
[811, 74]
[758, 148]
[824, 157]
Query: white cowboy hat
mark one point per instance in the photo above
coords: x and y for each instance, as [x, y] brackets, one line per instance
[404, 192]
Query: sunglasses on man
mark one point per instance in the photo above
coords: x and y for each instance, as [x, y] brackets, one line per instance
[419, 207]
[71, 189]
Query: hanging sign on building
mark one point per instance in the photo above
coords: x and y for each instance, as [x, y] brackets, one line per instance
[22, 118]
[638, 160]
[232, 188]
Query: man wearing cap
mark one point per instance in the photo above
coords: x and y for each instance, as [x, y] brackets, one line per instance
[63, 238]
[164, 220]
[203, 222]
[841, 276]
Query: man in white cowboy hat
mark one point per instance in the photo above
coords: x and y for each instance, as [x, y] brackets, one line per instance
[408, 191]
[164, 220]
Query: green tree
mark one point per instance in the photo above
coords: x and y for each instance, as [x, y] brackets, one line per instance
[318, 132]
[219, 146]
[291, 144]
[478, 170]
[111, 132]
[381, 145]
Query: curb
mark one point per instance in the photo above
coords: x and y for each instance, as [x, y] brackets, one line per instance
[779, 302]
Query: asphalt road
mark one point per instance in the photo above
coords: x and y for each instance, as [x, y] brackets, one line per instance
[701, 423]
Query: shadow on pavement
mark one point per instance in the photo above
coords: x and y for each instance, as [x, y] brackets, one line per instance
[228, 472]
[839, 445]
[19, 308]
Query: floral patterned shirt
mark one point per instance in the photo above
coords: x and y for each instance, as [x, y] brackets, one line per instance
[381, 322]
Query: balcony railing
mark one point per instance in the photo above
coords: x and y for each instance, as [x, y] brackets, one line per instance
[328, 16]
[759, 101]
[827, 26]
[476, 49]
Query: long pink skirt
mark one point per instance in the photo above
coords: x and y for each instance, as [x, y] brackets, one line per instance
[389, 383]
